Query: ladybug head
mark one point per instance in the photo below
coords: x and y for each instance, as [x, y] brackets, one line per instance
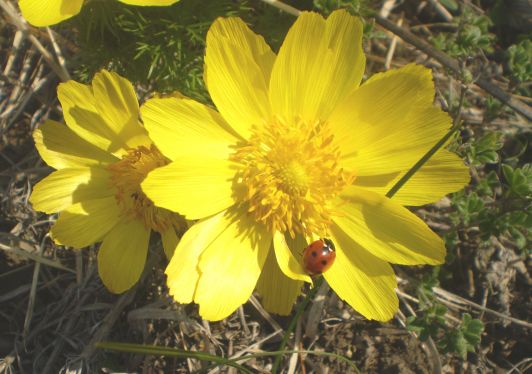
[329, 243]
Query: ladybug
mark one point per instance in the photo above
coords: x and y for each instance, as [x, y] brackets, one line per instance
[319, 256]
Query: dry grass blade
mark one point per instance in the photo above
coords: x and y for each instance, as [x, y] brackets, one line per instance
[267, 316]
[446, 295]
[33, 291]
[393, 45]
[20, 23]
[38, 258]
[316, 311]
[108, 322]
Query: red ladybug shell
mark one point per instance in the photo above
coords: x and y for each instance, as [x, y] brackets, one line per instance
[319, 256]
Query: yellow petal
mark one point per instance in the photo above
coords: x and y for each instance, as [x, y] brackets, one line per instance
[238, 64]
[86, 223]
[389, 122]
[320, 62]
[278, 292]
[82, 117]
[364, 281]
[170, 240]
[287, 261]
[230, 266]
[149, 2]
[65, 187]
[122, 255]
[443, 174]
[184, 127]
[117, 103]
[182, 271]
[388, 230]
[195, 187]
[48, 12]
[61, 148]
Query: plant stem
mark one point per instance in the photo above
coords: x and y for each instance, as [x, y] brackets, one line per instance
[174, 352]
[165, 351]
[300, 309]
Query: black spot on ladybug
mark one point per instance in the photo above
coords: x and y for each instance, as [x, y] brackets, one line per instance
[324, 262]
[314, 253]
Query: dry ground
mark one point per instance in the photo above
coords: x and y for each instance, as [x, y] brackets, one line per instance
[53, 306]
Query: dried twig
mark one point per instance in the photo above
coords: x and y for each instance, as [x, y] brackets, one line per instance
[20, 24]
[315, 312]
[264, 313]
[292, 362]
[444, 13]
[38, 258]
[387, 7]
[243, 320]
[33, 291]
[108, 322]
[453, 65]
[447, 298]
[441, 293]
[284, 7]
[393, 45]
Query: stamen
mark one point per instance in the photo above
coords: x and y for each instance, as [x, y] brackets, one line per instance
[290, 175]
[126, 176]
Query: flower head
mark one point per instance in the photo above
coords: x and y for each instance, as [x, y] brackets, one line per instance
[299, 150]
[101, 156]
[49, 12]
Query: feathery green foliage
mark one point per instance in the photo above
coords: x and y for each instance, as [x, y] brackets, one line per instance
[161, 48]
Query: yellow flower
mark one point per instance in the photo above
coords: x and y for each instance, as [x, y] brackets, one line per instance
[298, 151]
[101, 157]
[49, 12]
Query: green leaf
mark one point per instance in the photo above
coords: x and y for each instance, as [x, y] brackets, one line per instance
[519, 57]
[518, 237]
[472, 329]
[484, 150]
[459, 344]
[469, 207]
[519, 180]
[487, 185]
[463, 339]
[488, 157]
[492, 141]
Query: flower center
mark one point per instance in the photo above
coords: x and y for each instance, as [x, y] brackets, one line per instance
[126, 176]
[290, 175]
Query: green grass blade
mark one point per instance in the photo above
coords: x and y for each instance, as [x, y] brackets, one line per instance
[172, 352]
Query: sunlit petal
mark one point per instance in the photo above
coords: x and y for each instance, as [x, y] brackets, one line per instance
[320, 62]
[366, 282]
[230, 266]
[388, 230]
[238, 64]
[65, 187]
[122, 255]
[86, 223]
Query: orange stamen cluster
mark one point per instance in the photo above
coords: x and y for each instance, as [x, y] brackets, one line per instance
[290, 175]
[126, 176]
